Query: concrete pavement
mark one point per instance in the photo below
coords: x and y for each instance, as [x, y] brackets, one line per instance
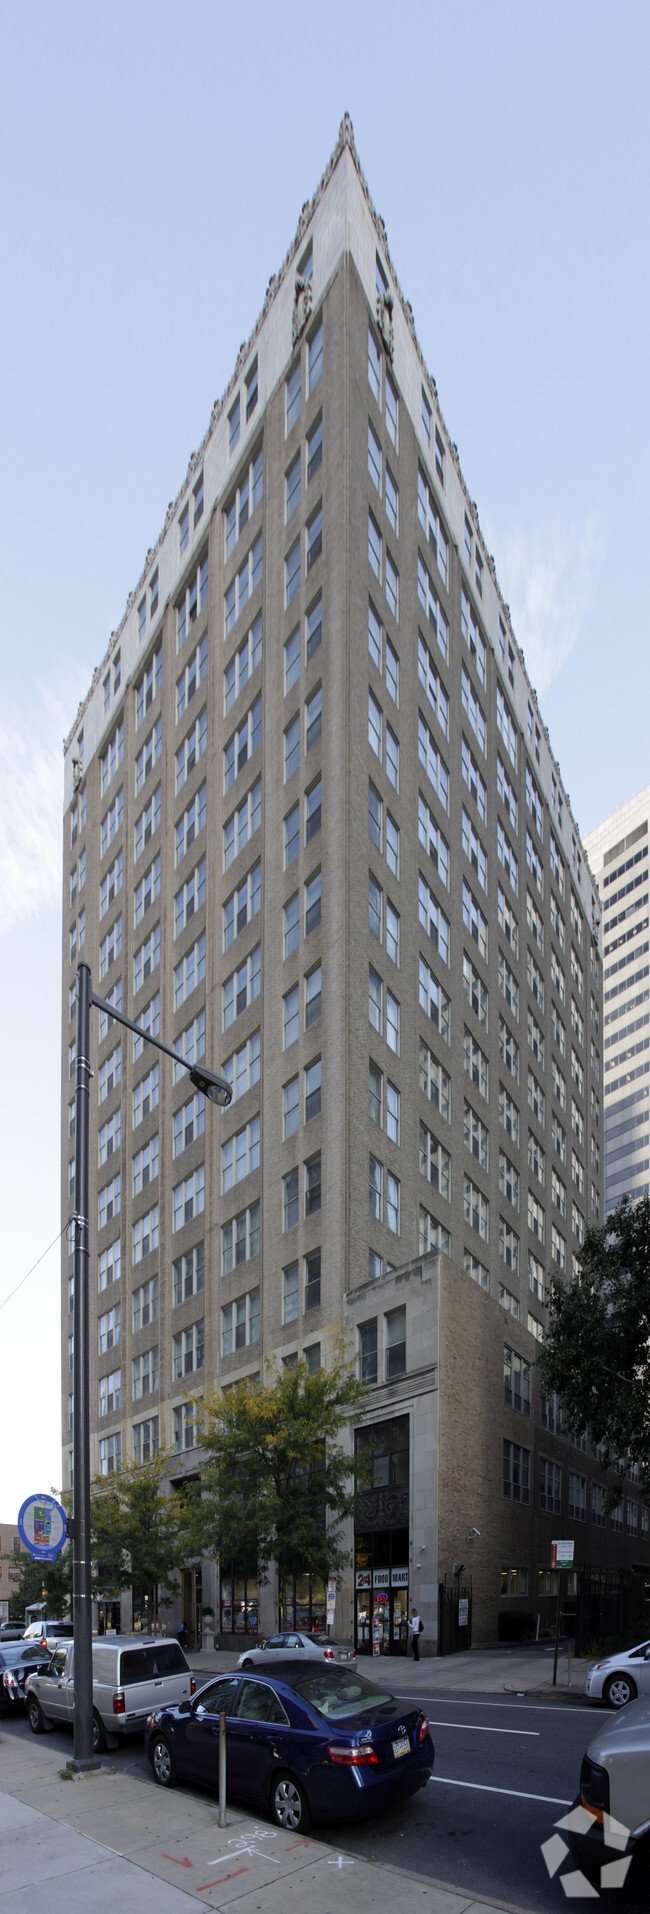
[112, 1840]
[483, 1671]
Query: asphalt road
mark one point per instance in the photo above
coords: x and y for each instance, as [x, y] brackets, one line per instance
[505, 1772]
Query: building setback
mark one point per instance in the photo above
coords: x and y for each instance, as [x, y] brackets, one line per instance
[618, 850]
[315, 833]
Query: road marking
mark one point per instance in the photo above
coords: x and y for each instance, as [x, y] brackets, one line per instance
[177, 1863]
[532, 1707]
[222, 1878]
[481, 1787]
[474, 1727]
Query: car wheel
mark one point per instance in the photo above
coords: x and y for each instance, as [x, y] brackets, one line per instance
[248, 1663]
[99, 1734]
[289, 1804]
[162, 1762]
[35, 1716]
[619, 1690]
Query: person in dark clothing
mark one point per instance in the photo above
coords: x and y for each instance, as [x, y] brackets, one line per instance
[415, 1629]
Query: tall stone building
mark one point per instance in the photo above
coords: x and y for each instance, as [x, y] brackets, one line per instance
[316, 834]
[618, 850]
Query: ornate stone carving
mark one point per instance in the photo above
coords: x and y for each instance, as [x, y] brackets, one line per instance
[382, 1509]
[302, 302]
[385, 321]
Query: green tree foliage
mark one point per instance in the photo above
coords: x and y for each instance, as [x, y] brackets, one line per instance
[276, 1485]
[596, 1353]
[142, 1532]
[50, 1582]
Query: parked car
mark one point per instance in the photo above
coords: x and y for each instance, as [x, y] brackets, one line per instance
[312, 1647]
[620, 1678]
[12, 1631]
[304, 1742]
[615, 1792]
[48, 1633]
[130, 1677]
[17, 1661]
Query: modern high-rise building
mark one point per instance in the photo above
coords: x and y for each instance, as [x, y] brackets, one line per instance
[618, 851]
[316, 835]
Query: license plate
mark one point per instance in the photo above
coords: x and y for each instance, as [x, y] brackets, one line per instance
[401, 1747]
[346, 1655]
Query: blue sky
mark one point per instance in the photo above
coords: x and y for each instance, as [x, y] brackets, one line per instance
[156, 164]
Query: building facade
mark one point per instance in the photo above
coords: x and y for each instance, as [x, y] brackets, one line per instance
[315, 833]
[618, 852]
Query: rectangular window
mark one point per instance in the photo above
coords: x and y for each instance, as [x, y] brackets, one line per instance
[244, 662]
[516, 1382]
[146, 958]
[395, 1325]
[508, 1179]
[190, 679]
[110, 885]
[516, 1472]
[433, 920]
[242, 744]
[145, 1374]
[110, 947]
[242, 906]
[476, 1209]
[432, 526]
[474, 921]
[507, 728]
[476, 1136]
[473, 710]
[474, 850]
[433, 609]
[144, 1235]
[240, 1323]
[435, 1163]
[290, 1293]
[432, 762]
[434, 1001]
[145, 1095]
[241, 826]
[475, 991]
[234, 425]
[472, 778]
[433, 686]
[240, 1239]
[112, 758]
[145, 1305]
[192, 748]
[535, 922]
[431, 1235]
[189, 972]
[435, 1082]
[473, 637]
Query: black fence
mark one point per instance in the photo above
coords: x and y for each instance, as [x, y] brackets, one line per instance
[454, 1617]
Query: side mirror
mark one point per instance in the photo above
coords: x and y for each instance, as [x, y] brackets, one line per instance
[647, 1655]
[185, 1707]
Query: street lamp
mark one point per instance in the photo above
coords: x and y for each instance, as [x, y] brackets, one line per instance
[216, 1090]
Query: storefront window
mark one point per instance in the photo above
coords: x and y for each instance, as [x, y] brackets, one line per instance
[303, 1604]
[239, 1602]
[382, 1592]
[384, 1447]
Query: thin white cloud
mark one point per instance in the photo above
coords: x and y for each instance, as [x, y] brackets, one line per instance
[548, 579]
[31, 798]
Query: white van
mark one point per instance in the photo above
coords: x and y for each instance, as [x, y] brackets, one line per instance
[131, 1676]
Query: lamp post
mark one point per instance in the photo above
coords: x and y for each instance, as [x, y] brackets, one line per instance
[216, 1090]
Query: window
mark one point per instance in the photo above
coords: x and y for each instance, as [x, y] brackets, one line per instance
[577, 1497]
[392, 586]
[109, 1329]
[190, 824]
[149, 1020]
[508, 1179]
[392, 1023]
[242, 1069]
[432, 526]
[475, 1063]
[145, 1166]
[314, 450]
[244, 662]
[110, 1454]
[110, 885]
[188, 754]
[507, 728]
[477, 1270]
[433, 919]
[147, 823]
[313, 718]
[550, 1486]
[508, 1114]
[374, 368]
[474, 850]
[557, 923]
[145, 1304]
[507, 921]
[392, 501]
[472, 777]
[145, 1374]
[314, 538]
[435, 1162]
[516, 1382]
[243, 743]
[189, 898]
[313, 1186]
[191, 677]
[243, 585]
[508, 985]
[536, 1160]
[475, 990]
[247, 497]
[374, 458]
[516, 1472]
[242, 824]
[312, 1076]
[242, 905]
[476, 1136]
[188, 1351]
[476, 1209]
[146, 958]
[367, 1335]
[431, 606]
[558, 1248]
[190, 1045]
[431, 1235]
[534, 863]
[374, 547]
[234, 427]
[557, 864]
[391, 410]
[535, 1038]
[189, 972]
[473, 710]
[110, 946]
[145, 1439]
[240, 1323]
[240, 1155]
[189, 1121]
[474, 921]
[315, 359]
[110, 1265]
[312, 1295]
[145, 1235]
[240, 1239]
[192, 602]
[112, 758]
[473, 636]
[314, 629]
[430, 758]
[395, 1325]
[313, 899]
[535, 806]
[535, 922]
[509, 1246]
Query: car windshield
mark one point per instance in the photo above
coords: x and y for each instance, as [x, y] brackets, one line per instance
[337, 1694]
[12, 1653]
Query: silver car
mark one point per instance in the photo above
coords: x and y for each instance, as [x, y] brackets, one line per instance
[131, 1675]
[295, 1644]
[610, 1819]
[620, 1678]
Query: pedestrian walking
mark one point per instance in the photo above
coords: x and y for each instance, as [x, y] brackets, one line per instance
[416, 1627]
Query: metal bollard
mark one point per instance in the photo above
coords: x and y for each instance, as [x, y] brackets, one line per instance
[222, 1772]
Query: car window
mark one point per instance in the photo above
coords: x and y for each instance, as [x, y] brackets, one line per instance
[57, 1664]
[638, 1653]
[337, 1694]
[218, 1699]
[137, 1664]
[256, 1702]
[169, 1659]
[294, 1641]
[275, 1641]
[105, 1665]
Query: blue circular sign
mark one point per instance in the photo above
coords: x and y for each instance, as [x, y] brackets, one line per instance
[42, 1526]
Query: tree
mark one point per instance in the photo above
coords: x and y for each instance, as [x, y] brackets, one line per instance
[49, 1582]
[596, 1353]
[276, 1485]
[142, 1532]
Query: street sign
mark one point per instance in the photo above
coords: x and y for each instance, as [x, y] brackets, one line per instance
[42, 1526]
[331, 1600]
[463, 1611]
[562, 1554]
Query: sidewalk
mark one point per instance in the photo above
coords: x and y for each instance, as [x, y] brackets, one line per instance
[487, 1671]
[109, 1840]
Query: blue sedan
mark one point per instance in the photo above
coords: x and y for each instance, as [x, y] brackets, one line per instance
[322, 1744]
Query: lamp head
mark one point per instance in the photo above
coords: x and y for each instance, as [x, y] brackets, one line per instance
[211, 1086]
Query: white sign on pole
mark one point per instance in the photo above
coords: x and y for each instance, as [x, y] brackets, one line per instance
[562, 1554]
